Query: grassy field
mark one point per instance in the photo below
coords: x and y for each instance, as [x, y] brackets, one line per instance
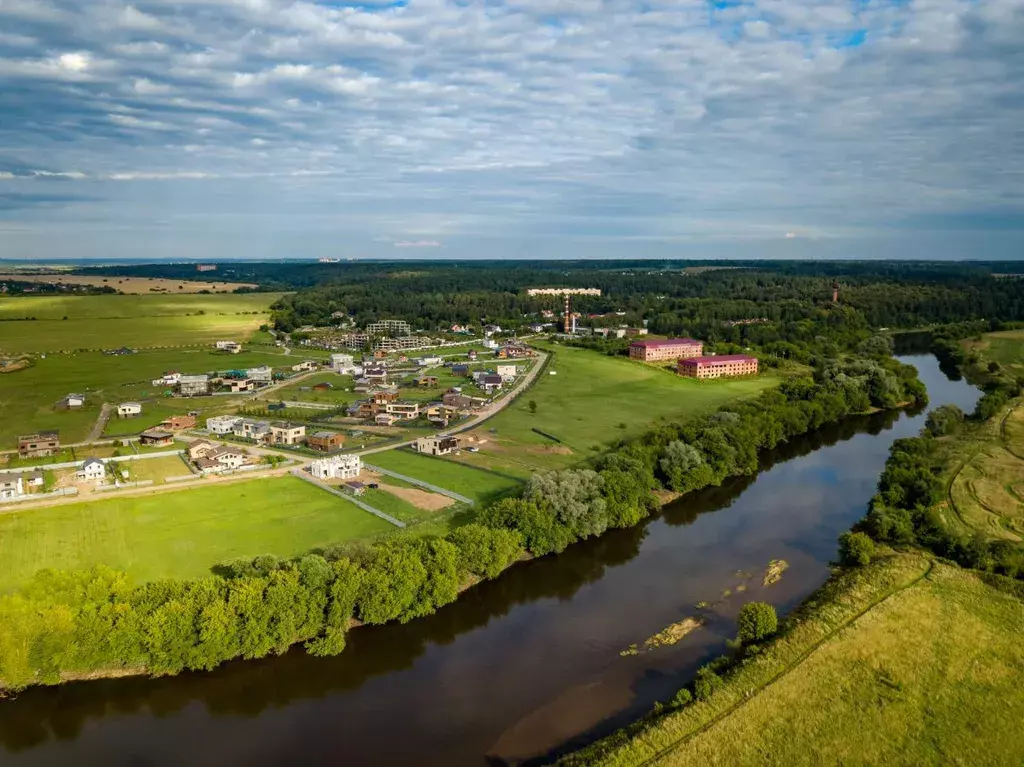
[155, 469]
[134, 285]
[589, 401]
[28, 395]
[68, 323]
[1005, 347]
[471, 482]
[928, 676]
[180, 534]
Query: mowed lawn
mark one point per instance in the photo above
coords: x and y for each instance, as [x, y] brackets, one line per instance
[593, 400]
[930, 676]
[478, 484]
[64, 323]
[1005, 347]
[180, 534]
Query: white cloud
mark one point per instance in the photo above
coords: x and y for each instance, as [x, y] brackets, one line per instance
[416, 244]
[531, 118]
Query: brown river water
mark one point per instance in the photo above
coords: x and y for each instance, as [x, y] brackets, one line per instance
[521, 668]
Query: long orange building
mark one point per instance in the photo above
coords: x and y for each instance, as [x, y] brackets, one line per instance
[717, 367]
[669, 349]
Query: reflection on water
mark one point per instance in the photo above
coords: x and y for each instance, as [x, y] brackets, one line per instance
[520, 667]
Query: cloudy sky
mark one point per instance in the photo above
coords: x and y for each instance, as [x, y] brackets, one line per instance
[512, 128]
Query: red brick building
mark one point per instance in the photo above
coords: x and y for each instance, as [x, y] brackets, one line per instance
[717, 367]
[668, 349]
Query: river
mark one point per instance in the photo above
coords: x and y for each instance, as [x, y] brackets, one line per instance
[520, 668]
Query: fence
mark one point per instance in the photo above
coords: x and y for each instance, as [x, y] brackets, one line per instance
[64, 491]
[351, 499]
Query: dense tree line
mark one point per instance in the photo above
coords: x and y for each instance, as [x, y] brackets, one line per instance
[68, 623]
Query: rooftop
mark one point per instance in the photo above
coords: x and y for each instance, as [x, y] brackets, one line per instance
[667, 342]
[717, 359]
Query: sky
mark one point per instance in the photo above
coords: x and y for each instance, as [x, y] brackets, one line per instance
[504, 129]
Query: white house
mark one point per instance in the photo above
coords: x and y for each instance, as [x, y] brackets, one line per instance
[282, 433]
[508, 372]
[228, 457]
[232, 347]
[337, 467]
[93, 470]
[256, 430]
[263, 373]
[343, 364]
[167, 379]
[490, 343]
[222, 424]
[428, 361]
[129, 409]
[73, 401]
[11, 486]
[305, 366]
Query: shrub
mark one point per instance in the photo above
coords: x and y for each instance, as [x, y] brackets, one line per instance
[706, 683]
[855, 549]
[756, 621]
[682, 698]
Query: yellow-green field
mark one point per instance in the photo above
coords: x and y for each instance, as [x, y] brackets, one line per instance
[136, 285]
[929, 675]
[179, 534]
[69, 323]
[1005, 347]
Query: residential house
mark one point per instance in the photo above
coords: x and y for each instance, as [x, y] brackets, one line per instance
[376, 374]
[129, 410]
[491, 383]
[439, 414]
[231, 347]
[721, 366]
[406, 411]
[223, 424]
[167, 379]
[478, 376]
[463, 402]
[282, 433]
[228, 457]
[156, 438]
[631, 332]
[514, 351]
[178, 422]
[194, 386]
[305, 367]
[490, 330]
[38, 445]
[200, 448]
[92, 470]
[262, 374]
[460, 370]
[72, 402]
[337, 467]
[427, 381]
[325, 441]
[258, 431]
[508, 373]
[235, 385]
[472, 355]
[441, 444]
[380, 354]
[668, 349]
[490, 343]
[385, 419]
[363, 408]
[428, 361]
[356, 488]
[11, 486]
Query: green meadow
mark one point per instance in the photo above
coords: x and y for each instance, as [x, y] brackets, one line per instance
[179, 534]
[589, 400]
[27, 396]
[478, 484]
[67, 323]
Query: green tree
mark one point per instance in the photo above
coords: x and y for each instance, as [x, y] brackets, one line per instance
[756, 622]
[856, 549]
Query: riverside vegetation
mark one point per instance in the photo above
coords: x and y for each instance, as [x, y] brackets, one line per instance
[903, 613]
[97, 622]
